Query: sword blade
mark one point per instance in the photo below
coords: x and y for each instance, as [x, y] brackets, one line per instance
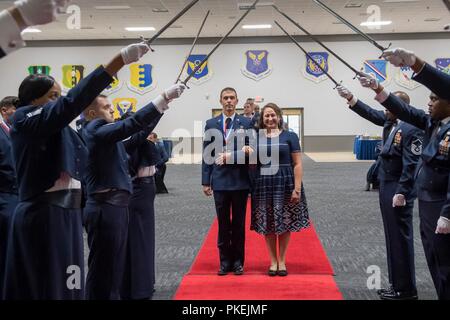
[193, 46]
[307, 54]
[350, 25]
[253, 6]
[178, 16]
[317, 40]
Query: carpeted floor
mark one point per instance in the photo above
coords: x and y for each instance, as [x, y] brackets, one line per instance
[346, 218]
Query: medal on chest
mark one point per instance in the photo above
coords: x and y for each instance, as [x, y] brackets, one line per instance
[444, 145]
[398, 138]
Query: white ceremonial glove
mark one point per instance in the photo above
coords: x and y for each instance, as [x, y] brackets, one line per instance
[174, 92]
[37, 12]
[400, 57]
[368, 81]
[443, 226]
[344, 92]
[134, 52]
[398, 200]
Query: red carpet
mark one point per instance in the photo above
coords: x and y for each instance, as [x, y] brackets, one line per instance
[310, 273]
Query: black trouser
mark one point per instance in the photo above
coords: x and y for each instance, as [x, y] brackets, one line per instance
[159, 179]
[107, 228]
[436, 247]
[231, 208]
[398, 229]
[45, 258]
[139, 278]
[8, 202]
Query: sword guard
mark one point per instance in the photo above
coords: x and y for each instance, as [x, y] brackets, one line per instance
[387, 48]
[337, 85]
[146, 41]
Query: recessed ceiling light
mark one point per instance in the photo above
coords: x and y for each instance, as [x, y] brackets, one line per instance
[136, 29]
[375, 23]
[32, 30]
[257, 26]
[160, 10]
[112, 7]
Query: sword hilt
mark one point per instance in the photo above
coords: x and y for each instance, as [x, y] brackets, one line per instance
[147, 42]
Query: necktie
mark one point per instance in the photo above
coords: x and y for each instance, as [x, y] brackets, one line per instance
[4, 127]
[227, 125]
[388, 130]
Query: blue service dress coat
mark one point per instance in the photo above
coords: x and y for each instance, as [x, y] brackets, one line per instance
[45, 250]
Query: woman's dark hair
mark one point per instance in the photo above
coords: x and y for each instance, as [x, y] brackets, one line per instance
[33, 87]
[277, 110]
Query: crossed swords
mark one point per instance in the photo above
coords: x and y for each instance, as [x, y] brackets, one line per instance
[253, 6]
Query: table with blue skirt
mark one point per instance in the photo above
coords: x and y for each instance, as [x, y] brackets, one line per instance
[365, 149]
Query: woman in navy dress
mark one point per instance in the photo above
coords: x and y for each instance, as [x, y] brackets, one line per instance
[278, 198]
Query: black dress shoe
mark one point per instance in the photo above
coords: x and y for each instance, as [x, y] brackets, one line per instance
[239, 270]
[399, 295]
[384, 290]
[282, 273]
[223, 271]
[272, 273]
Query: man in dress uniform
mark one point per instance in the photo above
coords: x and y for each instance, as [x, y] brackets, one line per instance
[437, 81]
[8, 183]
[161, 164]
[433, 183]
[227, 178]
[109, 188]
[25, 13]
[402, 146]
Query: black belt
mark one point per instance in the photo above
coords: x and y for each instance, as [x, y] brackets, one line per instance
[68, 199]
[144, 180]
[119, 198]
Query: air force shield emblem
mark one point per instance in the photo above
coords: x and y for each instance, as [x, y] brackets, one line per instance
[404, 78]
[72, 75]
[203, 74]
[141, 78]
[123, 105]
[257, 64]
[378, 68]
[312, 71]
[443, 65]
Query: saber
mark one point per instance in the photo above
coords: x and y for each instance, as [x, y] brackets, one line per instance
[253, 6]
[178, 16]
[351, 26]
[358, 73]
[308, 55]
[193, 45]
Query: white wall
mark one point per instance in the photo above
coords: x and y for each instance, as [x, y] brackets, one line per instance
[325, 112]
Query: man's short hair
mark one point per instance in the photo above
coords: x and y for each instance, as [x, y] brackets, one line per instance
[403, 95]
[227, 89]
[154, 135]
[9, 102]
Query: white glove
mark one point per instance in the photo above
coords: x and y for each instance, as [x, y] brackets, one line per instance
[443, 226]
[368, 80]
[344, 92]
[134, 52]
[398, 200]
[400, 57]
[37, 12]
[174, 92]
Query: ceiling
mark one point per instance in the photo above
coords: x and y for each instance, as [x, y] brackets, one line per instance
[407, 16]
